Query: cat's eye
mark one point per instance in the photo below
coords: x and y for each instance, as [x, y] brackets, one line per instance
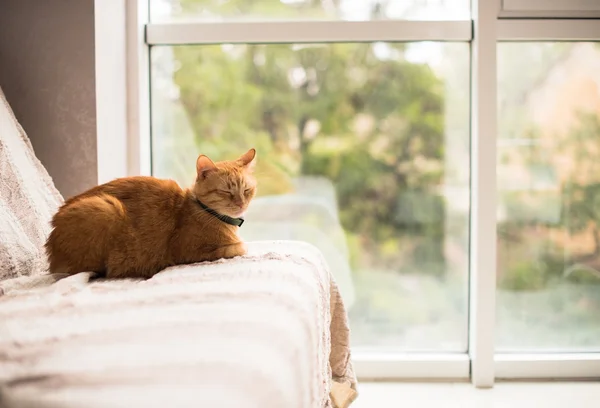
[247, 191]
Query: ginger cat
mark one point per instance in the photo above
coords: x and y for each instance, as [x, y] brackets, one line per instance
[136, 226]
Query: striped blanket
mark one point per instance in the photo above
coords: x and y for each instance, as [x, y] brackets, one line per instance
[265, 330]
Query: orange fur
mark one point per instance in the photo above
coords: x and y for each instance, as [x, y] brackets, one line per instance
[137, 226]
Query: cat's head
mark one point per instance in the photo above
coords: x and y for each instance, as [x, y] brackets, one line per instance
[226, 186]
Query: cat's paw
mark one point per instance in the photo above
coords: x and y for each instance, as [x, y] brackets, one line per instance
[231, 251]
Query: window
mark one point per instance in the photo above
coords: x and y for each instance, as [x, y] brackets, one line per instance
[549, 197]
[443, 158]
[364, 152]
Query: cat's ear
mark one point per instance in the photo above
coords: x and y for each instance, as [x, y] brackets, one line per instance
[247, 159]
[204, 166]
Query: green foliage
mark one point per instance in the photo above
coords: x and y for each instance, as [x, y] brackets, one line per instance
[538, 263]
[579, 213]
[582, 191]
[583, 275]
[524, 276]
[583, 206]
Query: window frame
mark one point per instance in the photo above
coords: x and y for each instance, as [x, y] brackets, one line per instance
[139, 141]
[306, 32]
[550, 9]
[491, 22]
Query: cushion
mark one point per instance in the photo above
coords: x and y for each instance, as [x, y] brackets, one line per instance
[28, 200]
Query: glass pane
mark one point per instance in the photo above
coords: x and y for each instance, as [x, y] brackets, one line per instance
[352, 10]
[363, 151]
[549, 197]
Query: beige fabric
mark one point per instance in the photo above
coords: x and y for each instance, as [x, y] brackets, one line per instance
[28, 199]
[265, 330]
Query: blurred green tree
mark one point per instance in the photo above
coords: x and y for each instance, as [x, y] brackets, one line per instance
[581, 190]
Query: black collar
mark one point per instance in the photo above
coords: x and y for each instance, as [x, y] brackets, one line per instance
[236, 222]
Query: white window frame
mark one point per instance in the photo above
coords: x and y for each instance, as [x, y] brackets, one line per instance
[311, 31]
[111, 95]
[491, 22]
[550, 9]
[139, 156]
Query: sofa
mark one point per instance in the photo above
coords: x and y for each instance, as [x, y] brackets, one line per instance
[268, 329]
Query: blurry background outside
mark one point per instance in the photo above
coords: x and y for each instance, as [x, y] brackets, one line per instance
[363, 151]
